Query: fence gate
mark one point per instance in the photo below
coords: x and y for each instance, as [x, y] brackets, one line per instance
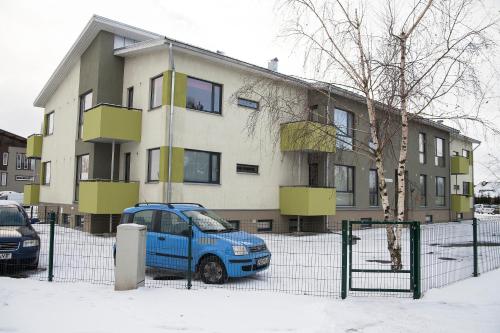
[366, 264]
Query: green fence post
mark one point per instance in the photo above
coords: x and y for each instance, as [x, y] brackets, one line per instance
[416, 261]
[52, 221]
[343, 293]
[190, 254]
[474, 246]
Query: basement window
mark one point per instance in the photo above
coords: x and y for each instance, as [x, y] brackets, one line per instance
[247, 168]
[246, 103]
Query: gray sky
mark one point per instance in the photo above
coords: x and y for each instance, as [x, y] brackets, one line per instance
[35, 36]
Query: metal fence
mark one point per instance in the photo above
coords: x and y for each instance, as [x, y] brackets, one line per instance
[334, 263]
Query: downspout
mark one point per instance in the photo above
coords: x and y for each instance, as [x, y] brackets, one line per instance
[170, 123]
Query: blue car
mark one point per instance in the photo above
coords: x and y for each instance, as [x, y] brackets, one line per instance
[19, 242]
[219, 251]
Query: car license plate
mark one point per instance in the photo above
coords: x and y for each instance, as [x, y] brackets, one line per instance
[5, 256]
[263, 261]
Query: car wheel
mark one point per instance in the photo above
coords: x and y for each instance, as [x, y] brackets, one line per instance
[212, 270]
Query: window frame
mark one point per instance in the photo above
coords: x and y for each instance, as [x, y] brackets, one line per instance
[151, 92]
[353, 184]
[5, 158]
[270, 229]
[256, 108]
[130, 97]
[78, 172]
[370, 192]
[19, 161]
[239, 165]
[437, 190]
[82, 108]
[211, 153]
[423, 193]
[464, 185]
[49, 123]
[24, 178]
[44, 175]
[148, 169]
[350, 117]
[422, 143]
[3, 176]
[437, 158]
[212, 95]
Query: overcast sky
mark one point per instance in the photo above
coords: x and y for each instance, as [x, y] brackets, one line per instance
[35, 36]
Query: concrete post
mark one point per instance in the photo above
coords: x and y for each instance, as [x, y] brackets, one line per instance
[130, 270]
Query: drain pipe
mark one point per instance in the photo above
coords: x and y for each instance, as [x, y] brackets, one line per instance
[170, 123]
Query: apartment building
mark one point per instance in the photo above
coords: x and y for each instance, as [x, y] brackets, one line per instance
[123, 96]
[16, 170]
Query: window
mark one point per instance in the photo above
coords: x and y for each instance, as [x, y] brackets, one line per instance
[3, 179]
[428, 218]
[439, 153]
[19, 161]
[127, 167]
[82, 172]
[130, 97]
[201, 167]
[79, 220]
[423, 190]
[203, 95]
[466, 188]
[365, 225]
[171, 223]
[46, 173]
[344, 184]
[156, 92]
[465, 153]
[248, 103]
[154, 165]
[65, 219]
[247, 168]
[422, 156]
[23, 178]
[313, 174]
[144, 217]
[26, 162]
[234, 223]
[343, 121]
[5, 158]
[440, 191]
[85, 104]
[49, 123]
[264, 225]
[373, 188]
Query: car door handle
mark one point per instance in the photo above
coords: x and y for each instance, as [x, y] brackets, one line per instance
[161, 238]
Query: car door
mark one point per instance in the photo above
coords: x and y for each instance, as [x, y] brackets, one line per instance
[172, 233]
[147, 218]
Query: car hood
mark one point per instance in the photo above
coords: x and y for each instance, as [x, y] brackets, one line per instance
[16, 232]
[239, 238]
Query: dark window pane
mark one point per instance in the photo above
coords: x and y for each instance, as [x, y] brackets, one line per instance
[144, 217]
[153, 165]
[247, 168]
[201, 166]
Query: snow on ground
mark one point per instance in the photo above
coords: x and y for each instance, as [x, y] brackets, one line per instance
[31, 306]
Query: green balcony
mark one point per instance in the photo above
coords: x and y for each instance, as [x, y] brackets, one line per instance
[34, 146]
[31, 194]
[307, 136]
[107, 123]
[460, 203]
[106, 197]
[459, 165]
[307, 201]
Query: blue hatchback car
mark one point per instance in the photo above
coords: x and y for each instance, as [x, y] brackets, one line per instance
[218, 250]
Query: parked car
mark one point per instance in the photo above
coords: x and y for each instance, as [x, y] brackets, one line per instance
[219, 251]
[19, 242]
[484, 209]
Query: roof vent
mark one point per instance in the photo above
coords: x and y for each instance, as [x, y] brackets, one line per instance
[221, 52]
[273, 65]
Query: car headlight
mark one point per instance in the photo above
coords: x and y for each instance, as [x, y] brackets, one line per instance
[240, 250]
[31, 243]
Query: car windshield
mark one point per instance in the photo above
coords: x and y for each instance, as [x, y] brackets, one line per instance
[11, 216]
[208, 221]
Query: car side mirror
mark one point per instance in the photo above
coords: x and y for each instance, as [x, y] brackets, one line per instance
[34, 220]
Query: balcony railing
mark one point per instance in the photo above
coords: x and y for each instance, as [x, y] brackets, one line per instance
[307, 136]
[460, 203]
[107, 197]
[31, 194]
[307, 201]
[459, 165]
[34, 146]
[108, 123]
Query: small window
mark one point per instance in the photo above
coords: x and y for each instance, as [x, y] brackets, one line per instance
[264, 225]
[79, 221]
[171, 223]
[203, 95]
[85, 104]
[144, 217]
[365, 225]
[439, 152]
[3, 179]
[373, 188]
[466, 188]
[156, 92]
[440, 191]
[19, 161]
[465, 153]
[26, 162]
[46, 173]
[247, 168]
[153, 165]
[234, 223]
[23, 178]
[65, 219]
[460, 216]
[201, 167]
[423, 190]
[49, 123]
[428, 218]
[130, 97]
[422, 141]
[248, 103]
[5, 158]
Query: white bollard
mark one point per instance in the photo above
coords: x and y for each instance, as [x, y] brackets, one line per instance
[130, 269]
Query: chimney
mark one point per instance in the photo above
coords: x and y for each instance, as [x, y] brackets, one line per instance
[273, 65]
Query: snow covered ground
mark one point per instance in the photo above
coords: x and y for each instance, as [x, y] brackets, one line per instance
[31, 306]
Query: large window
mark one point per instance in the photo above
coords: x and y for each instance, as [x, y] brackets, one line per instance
[343, 121]
[439, 152]
[201, 167]
[156, 92]
[46, 173]
[5, 158]
[344, 184]
[154, 165]
[85, 104]
[82, 172]
[203, 95]
[373, 188]
[440, 191]
[423, 190]
[422, 156]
